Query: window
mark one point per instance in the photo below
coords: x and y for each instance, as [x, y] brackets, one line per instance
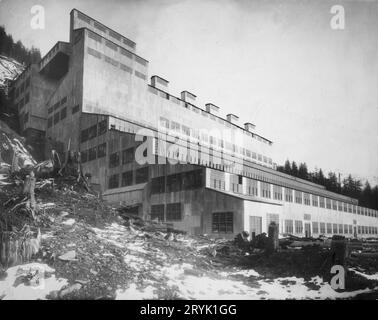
[306, 199]
[334, 204]
[191, 179]
[157, 212]
[49, 122]
[163, 123]
[175, 126]
[56, 106]
[328, 203]
[321, 202]
[50, 110]
[322, 228]
[99, 26]
[340, 206]
[350, 229]
[126, 53]
[265, 190]
[63, 101]
[140, 60]
[329, 228]
[125, 68]
[334, 227]
[173, 211]
[63, 113]
[340, 229]
[288, 226]
[315, 227]
[84, 156]
[140, 75]
[158, 185]
[94, 36]
[84, 18]
[345, 228]
[92, 132]
[111, 45]
[128, 155]
[75, 109]
[102, 127]
[92, 152]
[174, 183]
[111, 61]
[185, 130]
[142, 175]
[94, 53]
[113, 181]
[277, 192]
[298, 196]
[252, 188]
[101, 150]
[127, 178]
[114, 160]
[84, 135]
[298, 226]
[345, 208]
[56, 117]
[288, 195]
[223, 222]
[315, 200]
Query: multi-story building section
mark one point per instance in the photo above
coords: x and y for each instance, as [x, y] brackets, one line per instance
[164, 156]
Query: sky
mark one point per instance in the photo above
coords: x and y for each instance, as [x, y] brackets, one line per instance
[311, 89]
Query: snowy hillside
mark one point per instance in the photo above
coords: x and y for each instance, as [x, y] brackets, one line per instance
[9, 70]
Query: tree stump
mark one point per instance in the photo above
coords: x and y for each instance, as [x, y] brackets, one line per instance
[17, 248]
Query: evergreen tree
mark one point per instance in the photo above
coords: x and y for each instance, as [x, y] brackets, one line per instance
[287, 167]
[302, 171]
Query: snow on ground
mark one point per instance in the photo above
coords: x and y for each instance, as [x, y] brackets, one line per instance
[132, 293]
[184, 280]
[367, 276]
[41, 283]
[69, 222]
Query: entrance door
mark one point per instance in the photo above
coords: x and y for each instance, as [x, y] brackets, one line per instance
[308, 229]
[255, 225]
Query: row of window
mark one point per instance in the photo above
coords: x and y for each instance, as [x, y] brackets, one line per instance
[176, 182]
[141, 176]
[164, 121]
[127, 157]
[317, 201]
[58, 116]
[102, 28]
[94, 131]
[327, 228]
[208, 139]
[93, 153]
[57, 105]
[173, 212]
[115, 63]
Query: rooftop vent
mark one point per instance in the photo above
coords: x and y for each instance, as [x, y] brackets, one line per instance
[159, 83]
[232, 118]
[187, 96]
[249, 126]
[212, 108]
